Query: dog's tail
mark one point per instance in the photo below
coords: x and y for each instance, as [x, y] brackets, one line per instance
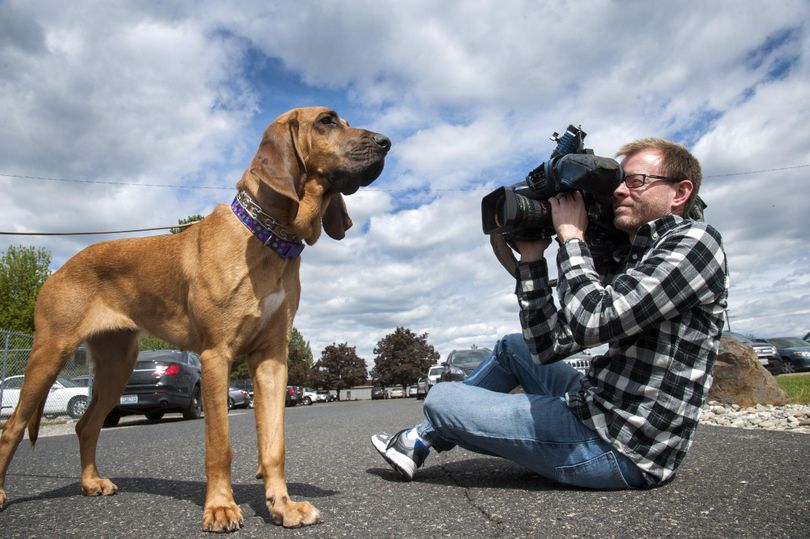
[33, 424]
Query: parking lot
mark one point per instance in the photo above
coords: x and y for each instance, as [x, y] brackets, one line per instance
[734, 483]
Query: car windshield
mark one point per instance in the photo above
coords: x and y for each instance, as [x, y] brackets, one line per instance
[789, 342]
[468, 357]
[67, 383]
[435, 371]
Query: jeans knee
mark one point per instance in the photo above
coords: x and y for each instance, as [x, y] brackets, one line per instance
[438, 396]
[514, 343]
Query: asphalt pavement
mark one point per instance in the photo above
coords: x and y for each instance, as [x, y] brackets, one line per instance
[734, 483]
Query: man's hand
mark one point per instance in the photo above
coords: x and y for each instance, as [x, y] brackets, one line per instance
[568, 215]
[532, 251]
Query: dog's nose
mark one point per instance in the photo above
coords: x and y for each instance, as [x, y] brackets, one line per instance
[382, 141]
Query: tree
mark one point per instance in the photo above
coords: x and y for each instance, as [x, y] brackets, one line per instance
[299, 360]
[339, 368]
[402, 357]
[23, 271]
[154, 343]
[190, 219]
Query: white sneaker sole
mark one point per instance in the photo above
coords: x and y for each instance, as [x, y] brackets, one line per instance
[402, 464]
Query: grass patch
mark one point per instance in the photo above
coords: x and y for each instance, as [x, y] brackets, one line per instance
[797, 386]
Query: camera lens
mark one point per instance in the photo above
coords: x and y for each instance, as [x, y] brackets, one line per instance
[531, 213]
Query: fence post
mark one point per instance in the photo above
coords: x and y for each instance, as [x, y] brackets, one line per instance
[5, 363]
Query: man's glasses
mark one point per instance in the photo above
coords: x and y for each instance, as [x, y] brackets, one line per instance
[634, 181]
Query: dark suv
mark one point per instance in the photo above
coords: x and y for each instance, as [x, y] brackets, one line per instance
[162, 381]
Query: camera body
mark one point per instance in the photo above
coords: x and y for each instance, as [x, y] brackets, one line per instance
[522, 211]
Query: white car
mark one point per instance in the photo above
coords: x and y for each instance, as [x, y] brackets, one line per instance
[310, 396]
[434, 373]
[65, 397]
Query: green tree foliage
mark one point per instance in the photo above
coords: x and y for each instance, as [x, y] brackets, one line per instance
[299, 360]
[189, 219]
[402, 357]
[153, 343]
[23, 271]
[339, 368]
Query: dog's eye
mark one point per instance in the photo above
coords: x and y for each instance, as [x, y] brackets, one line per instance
[328, 120]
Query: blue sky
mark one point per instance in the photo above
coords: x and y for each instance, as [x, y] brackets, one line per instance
[143, 94]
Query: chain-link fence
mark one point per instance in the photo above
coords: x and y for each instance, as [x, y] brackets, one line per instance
[70, 393]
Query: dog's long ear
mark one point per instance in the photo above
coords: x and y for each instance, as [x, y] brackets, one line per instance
[336, 220]
[278, 164]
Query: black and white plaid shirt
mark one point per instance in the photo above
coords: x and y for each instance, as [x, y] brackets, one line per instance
[661, 316]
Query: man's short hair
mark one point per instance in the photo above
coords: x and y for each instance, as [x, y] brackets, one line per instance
[677, 162]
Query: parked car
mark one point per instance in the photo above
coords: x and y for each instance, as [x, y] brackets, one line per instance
[162, 381]
[795, 353]
[396, 392]
[247, 385]
[581, 361]
[411, 391]
[310, 396]
[326, 395]
[238, 398]
[83, 380]
[460, 363]
[422, 387]
[65, 397]
[434, 373]
[294, 395]
[766, 352]
[378, 392]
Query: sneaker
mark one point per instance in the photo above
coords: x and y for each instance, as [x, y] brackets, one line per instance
[402, 458]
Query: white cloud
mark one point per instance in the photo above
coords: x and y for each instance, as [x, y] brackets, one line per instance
[468, 92]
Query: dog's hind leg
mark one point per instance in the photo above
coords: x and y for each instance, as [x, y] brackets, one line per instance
[113, 354]
[48, 357]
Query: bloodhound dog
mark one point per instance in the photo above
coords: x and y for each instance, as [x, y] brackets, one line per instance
[225, 287]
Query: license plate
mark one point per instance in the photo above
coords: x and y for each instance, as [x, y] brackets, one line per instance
[129, 399]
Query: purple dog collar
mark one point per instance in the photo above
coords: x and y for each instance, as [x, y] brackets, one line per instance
[283, 248]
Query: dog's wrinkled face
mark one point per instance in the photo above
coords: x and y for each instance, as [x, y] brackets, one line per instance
[346, 157]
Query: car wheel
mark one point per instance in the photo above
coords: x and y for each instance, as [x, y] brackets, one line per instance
[787, 367]
[112, 419]
[194, 410]
[307, 401]
[77, 406]
[230, 403]
[155, 415]
[250, 402]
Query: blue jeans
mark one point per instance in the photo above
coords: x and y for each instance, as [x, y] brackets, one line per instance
[535, 429]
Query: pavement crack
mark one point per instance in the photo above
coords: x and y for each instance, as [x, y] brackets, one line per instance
[492, 518]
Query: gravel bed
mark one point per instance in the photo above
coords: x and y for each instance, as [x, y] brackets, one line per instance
[792, 417]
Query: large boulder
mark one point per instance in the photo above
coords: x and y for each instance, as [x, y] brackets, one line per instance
[740, 379]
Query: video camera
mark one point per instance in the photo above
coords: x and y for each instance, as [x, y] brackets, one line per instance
[522, 211]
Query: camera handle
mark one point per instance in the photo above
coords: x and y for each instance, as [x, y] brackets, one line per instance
[506, 256]
[504, 253]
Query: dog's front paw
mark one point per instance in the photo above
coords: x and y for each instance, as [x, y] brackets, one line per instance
[98, 487]
[225, 517]
[294, 514]
[3, 499]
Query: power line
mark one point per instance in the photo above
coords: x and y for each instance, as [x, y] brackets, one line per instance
[111, 182]
[180, 186]
[96, 233]
[230, 187]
